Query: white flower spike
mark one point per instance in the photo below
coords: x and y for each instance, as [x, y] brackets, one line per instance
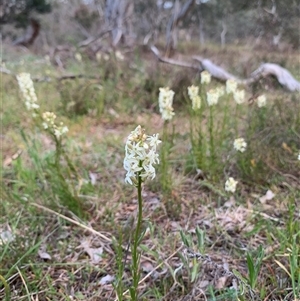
[27, 89]
[205, 77]
[240, 144]
[231, 86]
[230, 185]
[165, 101]
[193, 92]
[140, 156]
[261, 101]
[212, 97]
[239, 96]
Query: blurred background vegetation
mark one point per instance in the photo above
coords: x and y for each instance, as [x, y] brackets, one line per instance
[85, 23]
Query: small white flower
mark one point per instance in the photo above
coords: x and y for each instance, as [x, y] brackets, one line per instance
[212, 97]
[153, 140]
[60, 130]
[193, 92]
[49, 116]
[119, 55]
[165, 101]
[261, 101]
[240, 144]
[239, 96]
[230, 185]
[139, 160]
[299, 156]
[205, 77]
[231, 86]
[78, 57]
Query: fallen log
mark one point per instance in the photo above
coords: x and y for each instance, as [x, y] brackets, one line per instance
[215, 70]
[284, 77]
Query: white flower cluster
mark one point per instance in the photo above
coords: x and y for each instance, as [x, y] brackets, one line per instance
[49, 120]
[240, 144]
[193, 92]
[27, 89]
[165, 101]
[205, 77]
[230, 185]
[261, 101]
[239, 96]
[212, 96]
[60, 130]
[49, 123]
[231, 86]
[140, 156]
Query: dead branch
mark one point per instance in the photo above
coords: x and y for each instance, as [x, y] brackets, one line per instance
[171, 61]
[284, 77]
[90, 40]
[215, 70]
[49, 79]
[30, 35]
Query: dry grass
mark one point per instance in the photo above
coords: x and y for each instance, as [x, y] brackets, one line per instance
[55, 255]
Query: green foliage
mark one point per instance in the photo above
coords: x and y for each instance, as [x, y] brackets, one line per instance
[271, 133]
[198, 246]
[254, 263]
[81, 98]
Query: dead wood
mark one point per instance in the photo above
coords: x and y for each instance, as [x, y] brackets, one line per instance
[49, 79]
[215, 70]
[92, 39]
[30, 35]
[171, 61]
[284, 77]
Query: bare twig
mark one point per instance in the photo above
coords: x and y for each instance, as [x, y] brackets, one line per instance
[4, 70]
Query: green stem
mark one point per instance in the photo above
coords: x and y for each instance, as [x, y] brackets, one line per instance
[135, 255]
[165, 181]
[236, 116]
[211, 136]
[225, 121]
[6, 288]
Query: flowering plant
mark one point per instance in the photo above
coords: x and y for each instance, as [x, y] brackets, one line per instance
[240, 144]
[239, 96]
[193, 92]
[27, 89]
[212, 97]
[231, 86]
[205, 77]
[165, 101]
[230, 184]
[261, 101]
[140, 156]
